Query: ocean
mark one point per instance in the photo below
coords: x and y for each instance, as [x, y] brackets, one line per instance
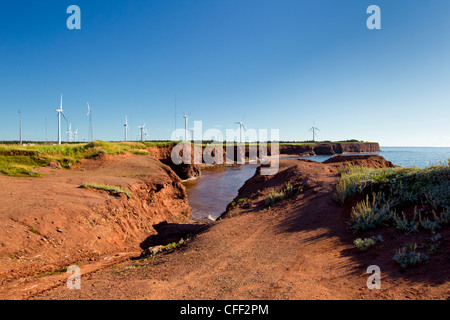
[419, 157]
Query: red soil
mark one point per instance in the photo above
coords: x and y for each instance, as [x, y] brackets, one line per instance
[298, 249]
[50, 222]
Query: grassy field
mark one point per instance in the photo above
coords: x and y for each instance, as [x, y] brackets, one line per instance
[22, 160]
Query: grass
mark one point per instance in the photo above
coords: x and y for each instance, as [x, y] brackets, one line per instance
[367, 243]
[23, 160]
[50, 273]
[389, 192]
[33, 229]
[110, 189]
[275, 196]
[408, 200]
[242, 202]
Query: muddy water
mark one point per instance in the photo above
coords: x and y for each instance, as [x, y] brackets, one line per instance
[210, 193]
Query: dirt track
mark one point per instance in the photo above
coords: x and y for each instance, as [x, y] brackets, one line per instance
[299, 249]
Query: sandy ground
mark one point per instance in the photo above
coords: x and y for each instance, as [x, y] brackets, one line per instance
[298, 249]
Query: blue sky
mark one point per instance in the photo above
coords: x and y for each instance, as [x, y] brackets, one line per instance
[280, 64]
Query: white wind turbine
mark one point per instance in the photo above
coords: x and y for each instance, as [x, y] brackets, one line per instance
[60, 112]
[241, 126]
[75, 135]
[186, 120]
[126, 128]
[314, 129]
[69, 133]
[143, 132]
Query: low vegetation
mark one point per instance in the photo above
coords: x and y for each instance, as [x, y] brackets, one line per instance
[408, 257]
[367, 243]
[110, 189]
[409, 200]
[23, 160]
[242, 203]
[275, 196]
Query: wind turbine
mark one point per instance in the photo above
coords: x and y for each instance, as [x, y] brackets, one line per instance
[142, 131]
[126, 128]
[241, 126]
[314, 129]
[60, 112]
[89, 114]
[75, 134]
[186, 120]
[69, 133]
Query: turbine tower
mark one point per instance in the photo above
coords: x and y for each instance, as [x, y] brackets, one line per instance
[186, 120]
[241, 126]
[314, 129]
[126, 128]
[142, 131]
[20, 119]
[90, 133]
[60, 112]
[69, 133]
[75, 135]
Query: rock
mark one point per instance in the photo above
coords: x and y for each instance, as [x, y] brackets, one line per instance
[54, 165]
[151, 251]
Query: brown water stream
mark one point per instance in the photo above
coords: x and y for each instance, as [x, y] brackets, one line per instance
[210, 193]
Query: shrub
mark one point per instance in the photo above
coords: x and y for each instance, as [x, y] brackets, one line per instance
[368, 214]
[367, 243]
[403, 224]
[275, 196]
[409, 257]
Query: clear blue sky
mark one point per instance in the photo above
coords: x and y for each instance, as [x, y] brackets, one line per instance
[280, 63]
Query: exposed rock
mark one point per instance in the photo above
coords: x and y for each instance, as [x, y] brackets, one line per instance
[54, 165]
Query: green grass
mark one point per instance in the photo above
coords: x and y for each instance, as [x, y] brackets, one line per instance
[33, 229]
[367, 243]
[275, 196]
[110, 189]
[23, 160]
[51, 273]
